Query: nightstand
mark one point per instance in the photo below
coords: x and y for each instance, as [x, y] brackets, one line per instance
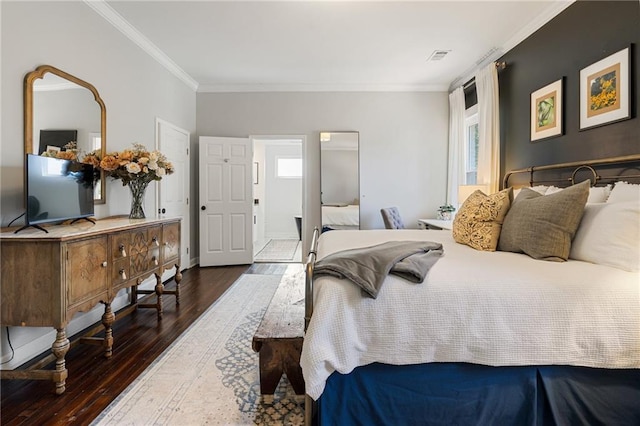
[435, 224]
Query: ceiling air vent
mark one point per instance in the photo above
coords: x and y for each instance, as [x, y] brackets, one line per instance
[438, 55]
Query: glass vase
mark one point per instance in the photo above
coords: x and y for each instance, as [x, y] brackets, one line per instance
[137, 188]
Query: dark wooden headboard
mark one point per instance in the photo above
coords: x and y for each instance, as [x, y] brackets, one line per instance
[600, 172]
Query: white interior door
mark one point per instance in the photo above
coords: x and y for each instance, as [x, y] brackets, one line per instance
[173, 197]
[226, 203]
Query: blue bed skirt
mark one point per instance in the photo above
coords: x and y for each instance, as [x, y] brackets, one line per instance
[468, 394]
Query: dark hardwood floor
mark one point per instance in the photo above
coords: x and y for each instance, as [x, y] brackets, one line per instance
[139, 338]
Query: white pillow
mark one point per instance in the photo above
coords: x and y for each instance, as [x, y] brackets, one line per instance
[609, 234]
[623, 191]
[542, 189]
[597, 194]
[552, 190]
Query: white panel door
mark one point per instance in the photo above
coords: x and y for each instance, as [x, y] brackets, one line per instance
[173, 199]
[226, 203]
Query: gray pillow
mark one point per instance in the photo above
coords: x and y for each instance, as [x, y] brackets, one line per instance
[543, 226]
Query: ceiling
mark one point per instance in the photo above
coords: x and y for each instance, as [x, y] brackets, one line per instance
[222, 46]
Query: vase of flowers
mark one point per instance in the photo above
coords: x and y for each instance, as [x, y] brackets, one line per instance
[136, 168]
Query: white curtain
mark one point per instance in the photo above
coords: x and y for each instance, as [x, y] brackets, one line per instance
[456, 145]
[488, 127]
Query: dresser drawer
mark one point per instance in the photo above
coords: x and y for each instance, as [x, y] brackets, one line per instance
[120, 245]
[120, 272]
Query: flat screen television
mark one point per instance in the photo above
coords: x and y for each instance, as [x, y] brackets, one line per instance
[57, 190]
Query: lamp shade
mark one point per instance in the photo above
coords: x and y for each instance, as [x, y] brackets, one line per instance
[465, 190]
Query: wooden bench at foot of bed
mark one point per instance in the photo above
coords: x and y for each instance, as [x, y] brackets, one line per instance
[279, 337]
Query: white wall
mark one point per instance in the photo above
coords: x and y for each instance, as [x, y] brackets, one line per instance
[403, 142]
[135, 88]
[283, 196]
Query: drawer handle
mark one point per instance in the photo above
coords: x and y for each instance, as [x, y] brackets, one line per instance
[122, 274]
[155, 241]
[123, 252]
[104, 264]
[154, 260]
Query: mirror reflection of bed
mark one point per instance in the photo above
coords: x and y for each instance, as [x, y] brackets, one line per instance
[339, 176]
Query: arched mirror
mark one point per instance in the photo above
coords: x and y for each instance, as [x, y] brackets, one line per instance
[340, 183]
[60, 108]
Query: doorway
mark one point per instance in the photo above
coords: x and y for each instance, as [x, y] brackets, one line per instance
[278, 177]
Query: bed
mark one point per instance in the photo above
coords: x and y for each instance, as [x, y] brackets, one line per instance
[340, 216]
[489, 337]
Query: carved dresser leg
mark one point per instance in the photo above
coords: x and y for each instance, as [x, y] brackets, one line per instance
[178, 278]
[108, 318]
[159, 290]
[59, 349]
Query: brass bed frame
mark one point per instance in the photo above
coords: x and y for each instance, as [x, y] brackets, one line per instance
[620, 164]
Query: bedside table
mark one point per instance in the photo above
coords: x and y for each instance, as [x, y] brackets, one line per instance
[435, 224]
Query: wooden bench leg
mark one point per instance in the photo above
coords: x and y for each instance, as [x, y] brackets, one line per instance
[277, 357]
[270, 368]
[292, 366]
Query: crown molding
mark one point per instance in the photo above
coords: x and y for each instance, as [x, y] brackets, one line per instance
[555, 7]
[114, 18]
[247, 88]
[102, 8]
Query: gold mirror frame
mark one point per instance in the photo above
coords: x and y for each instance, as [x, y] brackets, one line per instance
[39, 73]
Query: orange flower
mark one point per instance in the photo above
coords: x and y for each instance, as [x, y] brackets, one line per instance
[127, 155]
[109, 162]
[92, 159]
[66, 155]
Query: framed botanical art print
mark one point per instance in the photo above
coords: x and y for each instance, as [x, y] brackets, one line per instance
[546, 111]
[605, 90]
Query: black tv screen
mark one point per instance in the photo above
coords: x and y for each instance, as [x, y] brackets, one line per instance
[57, 190]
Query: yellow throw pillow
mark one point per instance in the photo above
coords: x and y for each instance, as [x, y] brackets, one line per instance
[479, 220]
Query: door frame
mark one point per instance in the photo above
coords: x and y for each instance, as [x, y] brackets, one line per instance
[185, 226]
[305, 173]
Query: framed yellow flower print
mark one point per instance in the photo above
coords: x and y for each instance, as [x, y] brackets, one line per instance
[604, 91]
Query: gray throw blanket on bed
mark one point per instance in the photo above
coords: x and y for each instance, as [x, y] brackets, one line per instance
[368, 267]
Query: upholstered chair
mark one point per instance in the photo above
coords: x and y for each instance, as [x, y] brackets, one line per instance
[391, 218]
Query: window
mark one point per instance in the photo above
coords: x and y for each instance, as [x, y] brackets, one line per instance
[289, 168]
[471, 140]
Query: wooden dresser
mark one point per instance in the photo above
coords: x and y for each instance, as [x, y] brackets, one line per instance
[49, 277]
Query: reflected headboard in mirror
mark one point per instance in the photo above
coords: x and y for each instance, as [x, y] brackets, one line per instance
[58, 104]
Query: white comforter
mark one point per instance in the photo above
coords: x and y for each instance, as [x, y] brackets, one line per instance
[492, 308]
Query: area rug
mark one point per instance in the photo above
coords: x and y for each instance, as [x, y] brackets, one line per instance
[278, 251]
[210, 374]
